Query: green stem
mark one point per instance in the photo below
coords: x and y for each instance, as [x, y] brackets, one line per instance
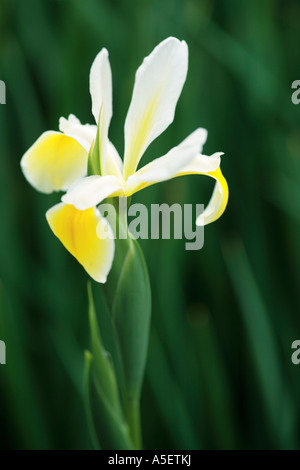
[134, 422]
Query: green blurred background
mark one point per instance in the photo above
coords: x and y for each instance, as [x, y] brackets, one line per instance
[219, 372]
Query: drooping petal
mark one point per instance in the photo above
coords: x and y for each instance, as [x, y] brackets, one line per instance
[158, 84]
[77, 231]
[54, 162]
[84, 133]
[169, 165]
[89, 192]
[218, 201]
[101, 94]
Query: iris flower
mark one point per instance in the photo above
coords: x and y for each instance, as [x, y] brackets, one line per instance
[60, 160]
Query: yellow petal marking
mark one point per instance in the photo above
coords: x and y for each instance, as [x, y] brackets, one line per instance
[218, 201]
[54, 162]
[77, 231]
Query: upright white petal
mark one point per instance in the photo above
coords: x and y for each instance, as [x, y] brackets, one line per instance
[158, 84]
[101, 94]
[84, 134]
[90, 191]
[169, 165]
[101, 85]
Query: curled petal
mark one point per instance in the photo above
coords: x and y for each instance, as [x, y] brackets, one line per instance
[218, 201]
[89, 192]
[169, 165]
[54, 162]
[201, 164]
[158, 84]
[77, 231]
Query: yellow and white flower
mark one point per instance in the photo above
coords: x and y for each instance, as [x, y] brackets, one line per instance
[59, 160]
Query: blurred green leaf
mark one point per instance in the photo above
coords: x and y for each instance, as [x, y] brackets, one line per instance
[113, 431]
[263, 347]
